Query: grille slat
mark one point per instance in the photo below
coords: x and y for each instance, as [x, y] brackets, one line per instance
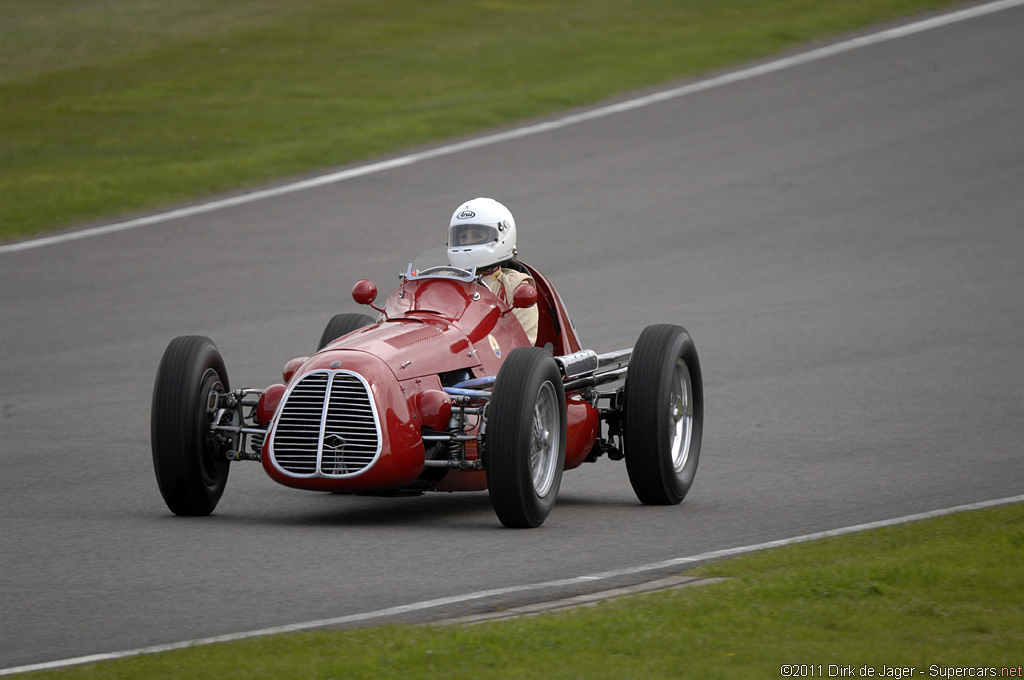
[343, 441]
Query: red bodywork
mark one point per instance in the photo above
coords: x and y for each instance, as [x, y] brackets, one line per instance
[435, 326]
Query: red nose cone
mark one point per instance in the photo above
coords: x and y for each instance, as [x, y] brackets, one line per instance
[364, 292]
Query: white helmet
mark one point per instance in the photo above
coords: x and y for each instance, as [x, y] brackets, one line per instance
[482, 233]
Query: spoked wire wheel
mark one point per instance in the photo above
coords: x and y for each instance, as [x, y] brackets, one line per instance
[525, 438]
[190, 463]
[664, 415]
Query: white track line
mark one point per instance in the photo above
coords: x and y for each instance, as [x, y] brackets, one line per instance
[601, 112]
[484, 594]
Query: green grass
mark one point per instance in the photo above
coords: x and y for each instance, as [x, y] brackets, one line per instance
[947, 592]
[113, 106]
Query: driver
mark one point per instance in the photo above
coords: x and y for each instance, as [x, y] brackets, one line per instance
[482, 234]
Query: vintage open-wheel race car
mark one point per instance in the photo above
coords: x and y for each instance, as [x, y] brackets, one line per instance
[442, 391]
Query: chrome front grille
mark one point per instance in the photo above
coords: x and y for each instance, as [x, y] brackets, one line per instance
[327, 427]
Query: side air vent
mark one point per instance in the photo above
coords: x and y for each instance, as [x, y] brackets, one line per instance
[421, 334]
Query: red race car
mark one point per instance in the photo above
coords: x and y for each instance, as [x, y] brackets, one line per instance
[442, 392]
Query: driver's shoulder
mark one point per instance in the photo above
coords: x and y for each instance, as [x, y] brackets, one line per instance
[514, 277]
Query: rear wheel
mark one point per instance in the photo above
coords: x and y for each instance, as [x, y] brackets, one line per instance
[664, 418]
[525, 440]
[190, 462]
[342, 324]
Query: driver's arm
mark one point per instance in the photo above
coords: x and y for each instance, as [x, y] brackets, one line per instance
[503, 284]
[529, 317]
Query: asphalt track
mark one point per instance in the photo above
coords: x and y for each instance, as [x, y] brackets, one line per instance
[843, 238]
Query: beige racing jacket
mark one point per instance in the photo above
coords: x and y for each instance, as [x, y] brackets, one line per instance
[503, 283]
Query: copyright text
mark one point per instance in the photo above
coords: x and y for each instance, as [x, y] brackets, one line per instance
[803, 670]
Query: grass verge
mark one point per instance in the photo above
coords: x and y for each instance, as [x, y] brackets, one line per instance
[108, 106]
[928, 596]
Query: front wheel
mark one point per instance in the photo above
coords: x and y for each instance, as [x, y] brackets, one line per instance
[190, 462]
[525, 438]
[342, 324]
[664, 418]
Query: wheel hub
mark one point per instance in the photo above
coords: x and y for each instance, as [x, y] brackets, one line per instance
[544, 446]
[681, 415]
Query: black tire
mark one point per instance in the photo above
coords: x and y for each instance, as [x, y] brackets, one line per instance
[524, 464]
[342, 324]
[191, 465]
[664, 415]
